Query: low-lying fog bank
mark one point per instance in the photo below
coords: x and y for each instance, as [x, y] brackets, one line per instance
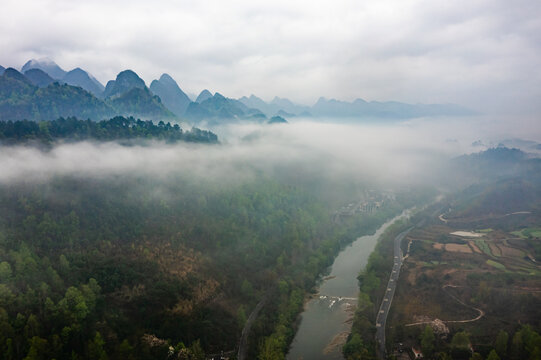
[390, 153]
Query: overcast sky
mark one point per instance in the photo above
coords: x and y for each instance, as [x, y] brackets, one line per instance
[484, 54]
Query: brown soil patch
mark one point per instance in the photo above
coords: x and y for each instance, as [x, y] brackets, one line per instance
[474, 247]
[495, 250]
[511, 252]
[178, 262]
[422, 318]
[458, 248]
[183, 307]
[203, 292]
[336, 343]
[411, 277]
[438, 246]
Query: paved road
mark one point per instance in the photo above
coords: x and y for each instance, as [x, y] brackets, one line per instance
[385, 306]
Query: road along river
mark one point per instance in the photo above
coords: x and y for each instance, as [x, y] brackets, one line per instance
[326, 320]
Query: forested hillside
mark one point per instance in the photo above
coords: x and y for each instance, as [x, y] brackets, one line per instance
[21, 99]
[125, 267]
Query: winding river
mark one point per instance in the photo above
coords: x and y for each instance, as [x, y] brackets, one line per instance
[326, 320]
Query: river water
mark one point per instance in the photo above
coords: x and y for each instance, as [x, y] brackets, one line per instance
[326, 320]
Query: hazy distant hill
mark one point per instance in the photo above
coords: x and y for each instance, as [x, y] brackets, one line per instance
[204, 95]
[495, 163]
[172, 100]
[290, 107]
[15, 95]
[389, 109]
[220, 107]
[62, 100]
[283, 113]
[499, 198]
[46, 65]
[358, 108]
[493, 157]
[278, 106]
[79, 77]
[20, 99]
[257, 103]
[277, 120]
[140, 103]
[15, 87]
[75, 77]
[525, 145]
[129, 95]
[2, 70]
[125, 81]
[170, 94]
[14, 75]
[39, 78]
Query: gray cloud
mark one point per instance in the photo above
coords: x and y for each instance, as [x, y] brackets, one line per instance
[482, 54]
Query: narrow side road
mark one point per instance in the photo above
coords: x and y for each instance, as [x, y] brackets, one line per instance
[243, 343]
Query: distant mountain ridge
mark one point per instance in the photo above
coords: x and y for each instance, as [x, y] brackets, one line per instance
[218, 108]
[278, 106]
[140, 102]
[388, 109]
[172, 96]
[21, 99]
[128, 95]
[75, 77]
[11, 73]
[39, 77]
[355, 109]
[290, 107]
[46, 65]
[79, 77]
[494, 163]
[125, 81]
[204, 95]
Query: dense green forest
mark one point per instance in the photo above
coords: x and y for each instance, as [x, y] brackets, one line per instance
[117, 128]
[127, 267]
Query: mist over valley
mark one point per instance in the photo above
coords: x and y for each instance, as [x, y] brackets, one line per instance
[270, 181]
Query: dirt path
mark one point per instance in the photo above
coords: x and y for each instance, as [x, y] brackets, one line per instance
[481, 312]
[485, 217]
